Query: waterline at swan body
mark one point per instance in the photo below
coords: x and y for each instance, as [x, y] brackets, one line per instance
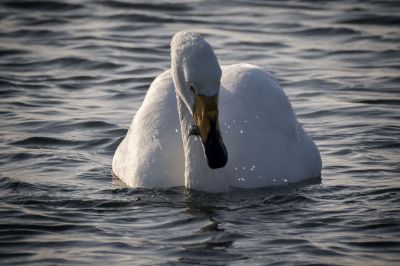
[246, 136]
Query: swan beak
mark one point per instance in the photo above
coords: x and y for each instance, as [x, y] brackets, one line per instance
[206, 118]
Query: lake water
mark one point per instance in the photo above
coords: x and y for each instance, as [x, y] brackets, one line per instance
[73, 74]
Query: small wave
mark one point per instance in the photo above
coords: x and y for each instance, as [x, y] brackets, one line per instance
[284, 4]
[8, 183]
[64, 126]
[130, 95]
[147, 6]
[25, 104]
[379, 225]
[325, 31]
[23, 156]
[141, 18]
[385, 191]
[140, 50]
[348, 52]
[145, 18]
[38, 228]
[46, 5]
[288, 241]
[16, 254]
[283, 199]
[93, 124]
[35, 34]
[274, 45]
[394, 102]
[48, 142]
[388, 245]
[45, 141]
[49, 22]
[110, 148]
[65, 63]
[12, 52]
[341, 152]
[373, 19]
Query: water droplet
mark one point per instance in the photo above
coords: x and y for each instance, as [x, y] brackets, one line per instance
[244, 167]
[245, 121]
[176, 130]
[241, 131]
[284, 180]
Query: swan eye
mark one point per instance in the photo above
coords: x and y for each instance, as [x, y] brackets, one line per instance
[191, 88]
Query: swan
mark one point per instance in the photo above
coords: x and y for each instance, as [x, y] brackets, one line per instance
[211, 128]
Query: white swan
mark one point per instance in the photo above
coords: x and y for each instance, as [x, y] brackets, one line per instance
[175, 138]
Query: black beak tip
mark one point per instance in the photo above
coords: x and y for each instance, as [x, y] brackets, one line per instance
[217, 158]
[217, 164]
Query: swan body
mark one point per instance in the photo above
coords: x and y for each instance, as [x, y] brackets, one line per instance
[265, 143]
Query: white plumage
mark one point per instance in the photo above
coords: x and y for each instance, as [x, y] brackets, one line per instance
[265, 143]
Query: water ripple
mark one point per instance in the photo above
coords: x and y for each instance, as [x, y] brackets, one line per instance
[73, 73]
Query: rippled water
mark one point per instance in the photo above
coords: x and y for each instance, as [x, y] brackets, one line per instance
[73, 73]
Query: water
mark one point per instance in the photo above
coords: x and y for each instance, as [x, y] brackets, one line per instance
[73, 73]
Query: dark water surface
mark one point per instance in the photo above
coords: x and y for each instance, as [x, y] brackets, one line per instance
[73, 73]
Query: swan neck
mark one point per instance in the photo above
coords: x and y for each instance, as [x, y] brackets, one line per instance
[198, 175]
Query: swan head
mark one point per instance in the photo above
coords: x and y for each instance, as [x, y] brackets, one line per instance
[197, 78]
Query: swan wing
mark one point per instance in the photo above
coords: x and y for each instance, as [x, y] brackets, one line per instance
[266, 144]
[151, 154]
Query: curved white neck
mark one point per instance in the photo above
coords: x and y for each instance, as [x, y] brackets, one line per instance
[198, 175]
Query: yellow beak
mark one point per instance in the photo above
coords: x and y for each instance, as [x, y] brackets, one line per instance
[206, 119]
